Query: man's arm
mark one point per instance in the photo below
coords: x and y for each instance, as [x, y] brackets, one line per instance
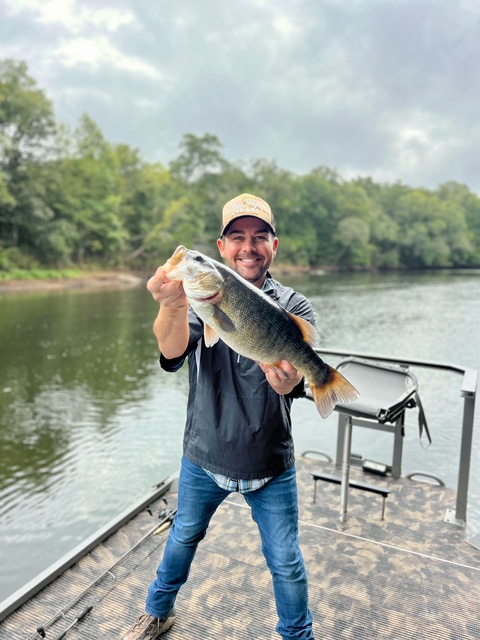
[171, 324]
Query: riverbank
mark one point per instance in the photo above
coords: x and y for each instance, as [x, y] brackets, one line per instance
[115, 279]
[94, 280]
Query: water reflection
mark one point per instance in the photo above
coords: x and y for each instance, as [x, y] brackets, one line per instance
[64, 355]
[86, 424]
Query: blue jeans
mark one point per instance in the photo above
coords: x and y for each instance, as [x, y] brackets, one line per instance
[274, 509]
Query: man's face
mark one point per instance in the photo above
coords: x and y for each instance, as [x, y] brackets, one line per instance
[248, 248]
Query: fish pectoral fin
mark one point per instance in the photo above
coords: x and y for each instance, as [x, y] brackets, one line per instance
[309, 332]
[336, 389]
[210, 336]
[223, 321]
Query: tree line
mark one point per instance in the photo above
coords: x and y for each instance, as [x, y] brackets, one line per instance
[70, 197]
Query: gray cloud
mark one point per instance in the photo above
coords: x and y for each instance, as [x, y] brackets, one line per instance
[386, 88]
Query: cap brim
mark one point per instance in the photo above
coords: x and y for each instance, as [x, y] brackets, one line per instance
[247, 215]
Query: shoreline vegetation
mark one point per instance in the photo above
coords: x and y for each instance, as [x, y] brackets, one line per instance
[76, 279]
[71, 197]
[63, 279]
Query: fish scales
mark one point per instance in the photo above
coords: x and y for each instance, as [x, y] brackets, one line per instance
[254, 325]
[270, 335]
[263, 329]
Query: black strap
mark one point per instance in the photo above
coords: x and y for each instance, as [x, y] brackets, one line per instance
[422, 423]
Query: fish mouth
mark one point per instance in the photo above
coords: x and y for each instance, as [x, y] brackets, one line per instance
[174, 264]
[197, 274]
[211, 298]
[177, 256]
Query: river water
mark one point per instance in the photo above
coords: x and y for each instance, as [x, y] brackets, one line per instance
[89, 422]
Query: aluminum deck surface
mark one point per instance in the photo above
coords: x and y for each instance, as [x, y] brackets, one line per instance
[409, 577]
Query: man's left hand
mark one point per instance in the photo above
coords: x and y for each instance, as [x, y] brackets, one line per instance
[282, 376]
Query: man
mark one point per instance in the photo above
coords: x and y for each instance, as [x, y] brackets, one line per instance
[238, 431]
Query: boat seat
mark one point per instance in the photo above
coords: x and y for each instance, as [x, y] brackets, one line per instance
[386, 391]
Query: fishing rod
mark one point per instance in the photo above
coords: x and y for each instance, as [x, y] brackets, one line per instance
[165, 519]
[72, 624]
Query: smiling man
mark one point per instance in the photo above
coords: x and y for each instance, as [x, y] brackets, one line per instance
[248, 243]
[238, 435]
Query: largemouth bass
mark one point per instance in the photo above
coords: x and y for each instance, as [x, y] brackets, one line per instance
[254, 325]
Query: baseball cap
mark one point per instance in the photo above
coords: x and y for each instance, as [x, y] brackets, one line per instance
[246, 205]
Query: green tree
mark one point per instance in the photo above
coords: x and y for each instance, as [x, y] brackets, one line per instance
[6, 198]
[26, 126]
[422, 230]
[205, 180]
[200, 156]
[73, 197]
[279, 188]
[353, 235]
[353, 230]
[383, 230]
[26, 115]
[463, 222]
[147, 191]
[85, 198]
[318, 213]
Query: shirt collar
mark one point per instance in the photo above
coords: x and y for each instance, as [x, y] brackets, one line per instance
[268, 285]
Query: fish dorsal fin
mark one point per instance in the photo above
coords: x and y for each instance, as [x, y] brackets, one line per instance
[210, 336]
[309, 332]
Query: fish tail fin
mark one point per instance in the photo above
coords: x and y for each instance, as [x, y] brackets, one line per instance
[336, 389]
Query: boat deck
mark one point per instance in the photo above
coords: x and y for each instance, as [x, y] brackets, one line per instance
[409, 576]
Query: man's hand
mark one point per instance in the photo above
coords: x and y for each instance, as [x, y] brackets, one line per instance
[171, 324]
[283, 377]
[169, 293]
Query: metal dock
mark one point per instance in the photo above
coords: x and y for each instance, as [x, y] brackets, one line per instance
[409, 576]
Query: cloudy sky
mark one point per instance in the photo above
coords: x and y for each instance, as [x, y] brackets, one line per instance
[381, 88]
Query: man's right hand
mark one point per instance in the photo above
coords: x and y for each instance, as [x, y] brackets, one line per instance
[171, 324]
[169, 293]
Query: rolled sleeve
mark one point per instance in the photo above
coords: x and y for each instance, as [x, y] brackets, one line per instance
[196, 331]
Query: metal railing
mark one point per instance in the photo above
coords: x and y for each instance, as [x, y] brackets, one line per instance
[468, 392]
